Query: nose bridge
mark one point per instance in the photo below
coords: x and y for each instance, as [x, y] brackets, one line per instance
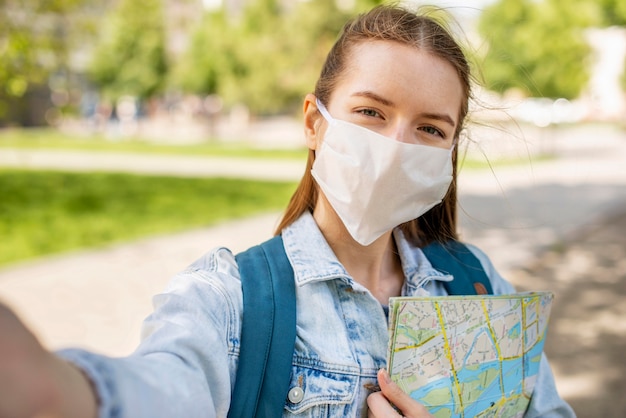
[401, 131]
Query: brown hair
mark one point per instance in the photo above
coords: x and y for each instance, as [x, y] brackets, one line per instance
[397, 24]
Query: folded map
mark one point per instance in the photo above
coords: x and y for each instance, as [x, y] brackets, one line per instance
[468, 356]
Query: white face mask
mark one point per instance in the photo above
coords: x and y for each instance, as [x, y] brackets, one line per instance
[376, 183]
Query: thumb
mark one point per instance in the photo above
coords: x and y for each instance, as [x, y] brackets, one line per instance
[400, 399]
[388, 386]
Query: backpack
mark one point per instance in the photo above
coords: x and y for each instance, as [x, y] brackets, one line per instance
[268, 331]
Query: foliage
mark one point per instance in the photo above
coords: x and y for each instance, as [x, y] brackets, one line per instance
[130, 58]
[199, 68]
[36, 38]
[268, 57]
[613, 12]
[537, 47]
[49, 212]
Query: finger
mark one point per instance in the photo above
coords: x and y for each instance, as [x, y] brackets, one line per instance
[394, 394]
[380, 407]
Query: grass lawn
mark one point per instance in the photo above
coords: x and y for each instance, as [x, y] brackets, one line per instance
[46, 212]
[42, 138]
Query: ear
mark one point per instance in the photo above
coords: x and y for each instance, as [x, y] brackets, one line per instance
[313, 122]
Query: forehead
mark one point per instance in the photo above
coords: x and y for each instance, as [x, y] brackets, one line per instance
[403, 74]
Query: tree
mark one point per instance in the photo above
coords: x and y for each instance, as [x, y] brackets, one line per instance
[36, 39]
[268, 57]
[130, 58]
[283, 58]
[613, 12]
[207, 56]
[537, 46]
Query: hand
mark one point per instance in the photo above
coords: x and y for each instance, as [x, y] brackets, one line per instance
[22, 364]
[380, 403]
[33, 381]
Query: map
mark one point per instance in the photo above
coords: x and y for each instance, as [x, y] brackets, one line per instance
[468, 356]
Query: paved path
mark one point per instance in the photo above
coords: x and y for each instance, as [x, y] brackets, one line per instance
[97, 299]
[587, 335]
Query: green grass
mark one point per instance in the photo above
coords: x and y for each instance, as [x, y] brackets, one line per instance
[45, 212]
[41, 138]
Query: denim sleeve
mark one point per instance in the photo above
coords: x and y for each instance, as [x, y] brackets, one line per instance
[182, 366]
[545, 402]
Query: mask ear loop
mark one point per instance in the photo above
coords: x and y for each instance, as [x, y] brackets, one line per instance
[323, 110]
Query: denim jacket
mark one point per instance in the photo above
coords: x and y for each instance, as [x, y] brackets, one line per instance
[186, 363]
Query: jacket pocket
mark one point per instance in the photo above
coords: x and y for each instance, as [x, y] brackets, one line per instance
[320, 393]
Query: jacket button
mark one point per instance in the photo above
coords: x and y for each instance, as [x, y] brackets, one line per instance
[295, 395]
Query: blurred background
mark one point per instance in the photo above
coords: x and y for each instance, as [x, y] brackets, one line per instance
[130, 68]
[137, 134]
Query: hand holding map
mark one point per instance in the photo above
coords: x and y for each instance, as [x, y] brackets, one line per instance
[468, 356]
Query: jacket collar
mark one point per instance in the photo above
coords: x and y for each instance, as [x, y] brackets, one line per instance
[313, 260]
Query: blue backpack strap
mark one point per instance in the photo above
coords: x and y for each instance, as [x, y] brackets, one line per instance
[268, 332]
[456, 259]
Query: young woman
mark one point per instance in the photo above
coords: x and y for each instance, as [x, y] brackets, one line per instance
[379, 184]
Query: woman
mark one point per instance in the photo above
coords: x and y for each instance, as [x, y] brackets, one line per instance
[379, 184]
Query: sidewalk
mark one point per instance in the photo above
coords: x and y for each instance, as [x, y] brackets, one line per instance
[587, 334]
[97, 299]
[554, 225]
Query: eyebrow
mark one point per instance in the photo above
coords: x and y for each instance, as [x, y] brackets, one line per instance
[436, 116]
[442, 117]
[373, 96]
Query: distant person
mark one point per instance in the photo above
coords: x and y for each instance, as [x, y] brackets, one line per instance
[380, 183]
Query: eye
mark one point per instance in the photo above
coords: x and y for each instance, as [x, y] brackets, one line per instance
[369, 112]
[431, 130]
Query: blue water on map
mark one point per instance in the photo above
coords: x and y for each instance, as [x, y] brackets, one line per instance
[515, 331]
[507, 381]
[489, 391]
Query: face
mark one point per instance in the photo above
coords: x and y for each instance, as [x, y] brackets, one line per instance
[395, 90]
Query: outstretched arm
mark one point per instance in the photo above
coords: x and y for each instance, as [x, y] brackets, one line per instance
[35, 382]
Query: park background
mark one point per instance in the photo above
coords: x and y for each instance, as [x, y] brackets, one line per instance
[136, 135]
